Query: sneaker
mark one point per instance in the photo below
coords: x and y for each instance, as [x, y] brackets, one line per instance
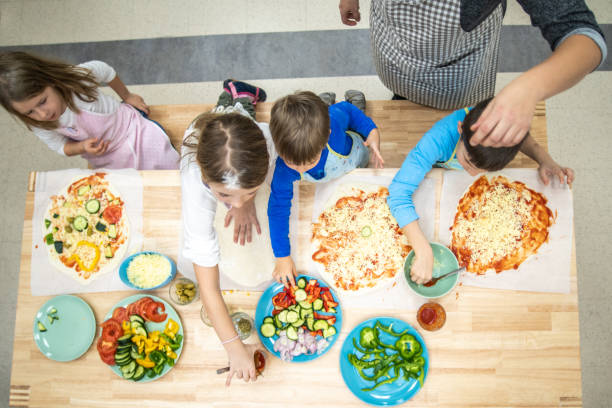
[328, 97]
[239, 89]
[356, 98]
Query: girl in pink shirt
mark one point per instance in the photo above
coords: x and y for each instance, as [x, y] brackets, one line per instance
[62, 105]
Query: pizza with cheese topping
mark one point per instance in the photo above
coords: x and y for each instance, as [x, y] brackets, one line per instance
[358, 242]
[499, 224]
[85, 228]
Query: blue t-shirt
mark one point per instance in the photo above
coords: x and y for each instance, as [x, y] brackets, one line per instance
[436, 146]
[343, 116]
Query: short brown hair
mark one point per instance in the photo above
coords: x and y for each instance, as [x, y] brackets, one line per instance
[229, 146]
[486, 157]
[24, 76]
[299, 124]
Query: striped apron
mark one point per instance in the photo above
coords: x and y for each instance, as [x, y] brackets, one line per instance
[422, 53]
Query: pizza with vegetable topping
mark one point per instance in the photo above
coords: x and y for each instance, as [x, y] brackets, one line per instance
[359, 242]
[86, 228]
[499, 224]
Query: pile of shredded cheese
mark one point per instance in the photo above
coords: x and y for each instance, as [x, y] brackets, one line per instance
[148, 270]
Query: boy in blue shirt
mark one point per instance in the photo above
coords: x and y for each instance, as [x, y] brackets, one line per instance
[315, 143]
[447, 145]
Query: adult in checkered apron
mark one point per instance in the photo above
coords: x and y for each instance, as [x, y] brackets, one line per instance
[443, 53]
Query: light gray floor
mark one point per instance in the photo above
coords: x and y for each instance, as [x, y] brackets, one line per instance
[579, 131]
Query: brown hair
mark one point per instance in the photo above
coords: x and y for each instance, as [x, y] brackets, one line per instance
[24, 76]
[486, 157]
[299, 124]
[229, 147]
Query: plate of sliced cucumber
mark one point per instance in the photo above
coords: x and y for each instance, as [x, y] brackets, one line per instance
[300, 323]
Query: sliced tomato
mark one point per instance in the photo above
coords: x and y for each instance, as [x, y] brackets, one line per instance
[131, 309]
[112, 214]
[111, 330]
[120, 314]
[153, 314]
[106, 350]
[142, 307]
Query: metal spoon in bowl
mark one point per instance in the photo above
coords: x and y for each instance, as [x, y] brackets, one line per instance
[434, 280]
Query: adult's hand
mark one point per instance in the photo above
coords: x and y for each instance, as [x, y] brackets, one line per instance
[507, 118]
[349, 12]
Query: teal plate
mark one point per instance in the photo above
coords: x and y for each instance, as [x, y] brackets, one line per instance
[151, 326]
[69, 337]
[444, 261]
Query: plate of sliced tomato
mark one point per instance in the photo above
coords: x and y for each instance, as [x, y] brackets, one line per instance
[141, 338]
[306, 316]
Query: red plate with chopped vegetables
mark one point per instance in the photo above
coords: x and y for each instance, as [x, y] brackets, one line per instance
[141, 338]
[299, 323]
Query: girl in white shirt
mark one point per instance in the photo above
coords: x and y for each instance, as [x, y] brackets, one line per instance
[61, 104]
[226, 158]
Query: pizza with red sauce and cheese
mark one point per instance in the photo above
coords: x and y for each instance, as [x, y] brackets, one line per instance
[499, 224]
[358, 242]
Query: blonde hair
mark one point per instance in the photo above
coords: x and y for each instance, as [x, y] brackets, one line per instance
[24, 76]
[230, 149]
[299, 124]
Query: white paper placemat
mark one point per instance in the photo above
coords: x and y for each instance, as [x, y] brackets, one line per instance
[45, 279]
[397, 295]
[546, 271]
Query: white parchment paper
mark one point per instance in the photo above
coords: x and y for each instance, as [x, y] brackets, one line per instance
[45, 279]
[546, 271]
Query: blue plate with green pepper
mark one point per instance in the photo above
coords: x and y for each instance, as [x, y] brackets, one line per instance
[384, 361]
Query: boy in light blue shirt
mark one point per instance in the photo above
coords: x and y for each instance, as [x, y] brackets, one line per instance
[447, 145]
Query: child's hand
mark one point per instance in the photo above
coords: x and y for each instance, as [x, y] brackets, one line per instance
[137, 102]
[349, 12]
[550, 169]
[284, 271]
[422, 267]
[94, 146]
[244, 219]
[241, 362]
[373, 142]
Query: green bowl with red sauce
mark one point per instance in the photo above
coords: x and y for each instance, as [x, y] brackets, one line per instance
[444, 261]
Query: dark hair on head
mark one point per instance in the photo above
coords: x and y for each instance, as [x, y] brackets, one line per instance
[299, 124]
[485, 157]
[230, 149]
[24, 76]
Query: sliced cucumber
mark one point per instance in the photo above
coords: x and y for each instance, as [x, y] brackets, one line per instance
[320, 325]
[92, 206]
[112, 231]
[108, 251]
[83, 190]
[292, 316]
[310, 323]
[277, 322]
[136, 356]
[292, 333]
[301, 283]
[305, 305]
[140, 331]
[304, 313]
[298, 323]
[139, 373]
[124, 340]
[268, 330]
[282, 316]
[317, 304]
[330, 331]
[268, 319]
[80, 223]
[300, 295]
[137, 318]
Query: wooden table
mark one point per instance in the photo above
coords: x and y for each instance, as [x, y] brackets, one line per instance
[498, 348]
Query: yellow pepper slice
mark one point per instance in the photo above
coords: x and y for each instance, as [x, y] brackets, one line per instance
[94, 262]
[172, 327]
[145, 363]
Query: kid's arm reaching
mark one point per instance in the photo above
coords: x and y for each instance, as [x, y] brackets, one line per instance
[126, 96]
[284, 271]
[422, 267]
[91, 146]
[547, 166]
[373, 142]
[240, 356]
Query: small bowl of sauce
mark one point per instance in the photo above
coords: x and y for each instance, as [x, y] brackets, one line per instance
[431, 316]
